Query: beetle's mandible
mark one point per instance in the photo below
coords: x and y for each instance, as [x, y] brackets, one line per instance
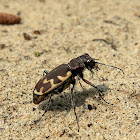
[63, 76]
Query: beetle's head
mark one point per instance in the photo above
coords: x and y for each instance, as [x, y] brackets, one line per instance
[37, 98]
[89, 62]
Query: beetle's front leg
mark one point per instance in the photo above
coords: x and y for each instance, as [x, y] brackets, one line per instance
[73, 104]
[89, 83]
[80, 82]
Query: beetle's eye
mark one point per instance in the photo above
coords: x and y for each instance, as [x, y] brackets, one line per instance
[90, 64]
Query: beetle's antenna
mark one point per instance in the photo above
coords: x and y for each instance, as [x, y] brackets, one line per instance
[95, 59]
[111, 66]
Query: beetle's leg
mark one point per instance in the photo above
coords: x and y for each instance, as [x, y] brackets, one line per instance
[80, 82]
[56, 92]
[45, 110]
[44, 72]
[89, 83]
[73, 104]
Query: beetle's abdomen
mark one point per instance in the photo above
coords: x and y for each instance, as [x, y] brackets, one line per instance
[52, 80]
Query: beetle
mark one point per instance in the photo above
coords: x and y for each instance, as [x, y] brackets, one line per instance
[62, 77]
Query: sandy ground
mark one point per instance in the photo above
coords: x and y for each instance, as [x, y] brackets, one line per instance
[67, 30]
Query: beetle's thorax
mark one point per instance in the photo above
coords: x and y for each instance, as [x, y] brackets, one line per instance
[78, 64]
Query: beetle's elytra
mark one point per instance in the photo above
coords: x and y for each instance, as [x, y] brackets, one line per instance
[62, 76]
[51, 82]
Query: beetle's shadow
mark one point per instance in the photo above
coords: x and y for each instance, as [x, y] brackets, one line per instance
[62, 101]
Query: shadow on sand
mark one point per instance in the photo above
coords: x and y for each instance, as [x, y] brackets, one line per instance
[61, 102]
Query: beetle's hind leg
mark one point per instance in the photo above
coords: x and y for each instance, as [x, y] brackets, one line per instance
[45, 72]
[73, 104]
[49, 102]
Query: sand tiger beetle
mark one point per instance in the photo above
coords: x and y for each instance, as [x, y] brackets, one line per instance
[62, 77]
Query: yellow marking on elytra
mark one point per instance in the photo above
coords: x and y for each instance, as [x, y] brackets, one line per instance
[41, 89]
[40, 92]
[52, 83]
[66, 77]
[45, 81]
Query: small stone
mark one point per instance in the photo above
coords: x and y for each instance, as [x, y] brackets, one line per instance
[9, 19]
[26, 36]
[90, 107]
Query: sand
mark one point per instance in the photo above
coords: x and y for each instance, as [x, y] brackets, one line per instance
[67, 30]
